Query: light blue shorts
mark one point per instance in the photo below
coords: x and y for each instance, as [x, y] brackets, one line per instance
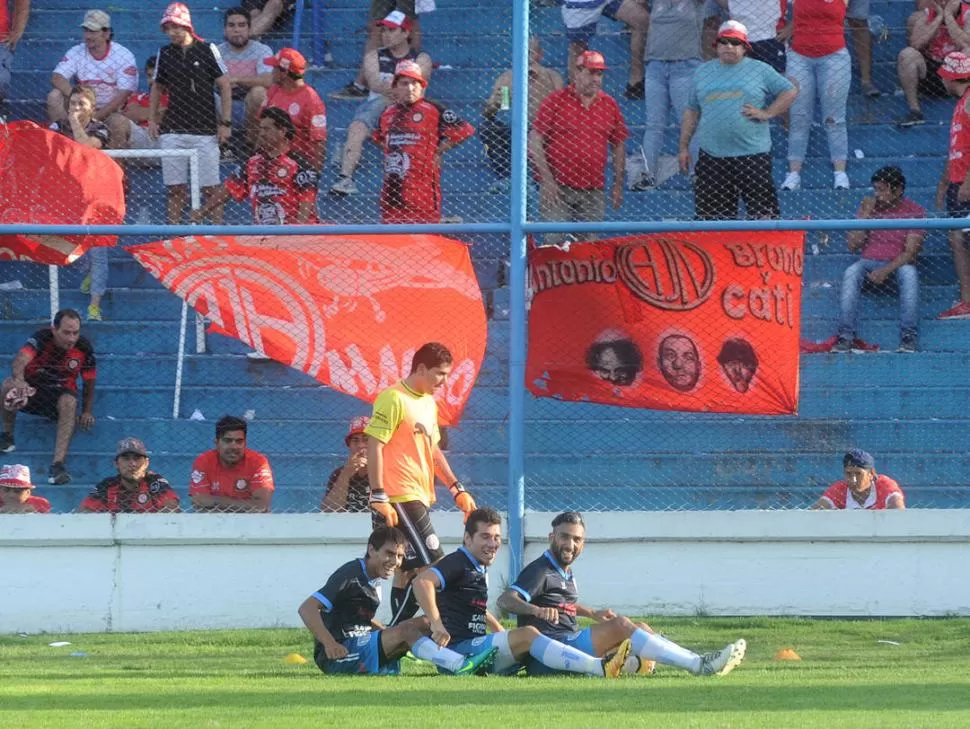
[363, 657]
[503, 666]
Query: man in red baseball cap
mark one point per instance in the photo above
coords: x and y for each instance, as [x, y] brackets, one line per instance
[348, 488]
[307, 111]
[574, 129]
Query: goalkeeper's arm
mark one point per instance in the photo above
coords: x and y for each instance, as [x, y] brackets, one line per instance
[375, 477]
[463, 499]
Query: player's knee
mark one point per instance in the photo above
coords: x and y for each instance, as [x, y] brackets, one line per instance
[66, 405]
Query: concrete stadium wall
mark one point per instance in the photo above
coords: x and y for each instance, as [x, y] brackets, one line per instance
[93, 573]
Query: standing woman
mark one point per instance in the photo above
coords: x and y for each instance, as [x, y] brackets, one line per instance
[819, 63]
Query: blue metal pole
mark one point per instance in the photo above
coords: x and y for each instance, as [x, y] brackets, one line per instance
[298, 25]
[319, 47]
[517, 282]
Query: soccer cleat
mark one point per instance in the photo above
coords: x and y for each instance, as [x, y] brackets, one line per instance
[478, 664]
[908, 343]
[840, 181]
[58, 474]
[613, 665]
[6, 443]
[842, 345]
[646, 668]
[793, 181]
[86, 284]
[94, 313]
[960, 311]
[350, 92]
[344, 186]
[722, 662]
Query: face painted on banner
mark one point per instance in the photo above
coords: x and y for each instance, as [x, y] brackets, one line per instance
[679, 362]
[738, 363]
[617, 361]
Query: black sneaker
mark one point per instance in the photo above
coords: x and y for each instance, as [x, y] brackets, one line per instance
[350, 92]
[6, 443]
[646, 182]
[58, 474]
[635, 91]
[913, 118]
[908, 343]
[842, 345]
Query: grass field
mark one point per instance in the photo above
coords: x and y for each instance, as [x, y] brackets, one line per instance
[237, 679]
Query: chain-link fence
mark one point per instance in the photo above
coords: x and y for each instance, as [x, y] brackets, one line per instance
[807, 133]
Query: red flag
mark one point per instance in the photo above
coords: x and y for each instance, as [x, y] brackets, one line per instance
[348, 310]
[704, 322]
[50, 179]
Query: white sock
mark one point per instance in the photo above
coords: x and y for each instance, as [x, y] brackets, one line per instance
[427, 650]
[553, 654]
[655, 647]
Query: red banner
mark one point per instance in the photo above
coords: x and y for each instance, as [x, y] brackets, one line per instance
[50, 179]
[348, 310]
[704, 322]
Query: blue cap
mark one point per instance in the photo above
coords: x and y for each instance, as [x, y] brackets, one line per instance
[859, 459]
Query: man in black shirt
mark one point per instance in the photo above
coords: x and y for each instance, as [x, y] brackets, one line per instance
[347, 638]
[454, 596]
[544, 596]
[348, 488]
[43, 382]
[189, 70]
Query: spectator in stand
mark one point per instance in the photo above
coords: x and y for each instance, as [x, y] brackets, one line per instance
[348, 488]
[818, 62]
[673, 55]
[43, 382]
[414, 134]
[135, 489]
[568, 145]
[379, 65]
[496, 132]
[188, 70]
[249, 75]
[938, 27]
[954, 186]
[862, 487]
[107, 67]
[885, 253]
[13, 22]
[268, 14]
[360, 88]
[857, 18]
[306, 109]
[137, 111]
[764, 19]
[728, 108]
[231, 478]
[581, 17]
[280, 184]
[15, 492]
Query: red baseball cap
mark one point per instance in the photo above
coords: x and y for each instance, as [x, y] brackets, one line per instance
[395, 19]
[592, 60]
[733, 29]
[357, 426]
[289, 60]
[955, 67]
[409, 69]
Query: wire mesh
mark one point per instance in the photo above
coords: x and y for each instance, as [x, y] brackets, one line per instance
[425, 164]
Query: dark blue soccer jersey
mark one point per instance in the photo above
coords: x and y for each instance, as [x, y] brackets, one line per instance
[463, 595]
[350, 601]
[544, 583]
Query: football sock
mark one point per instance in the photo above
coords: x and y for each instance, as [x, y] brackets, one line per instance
[427, 650]
[561, 657]
[654, 647]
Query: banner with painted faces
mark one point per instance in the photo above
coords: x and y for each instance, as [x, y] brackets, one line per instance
[701, 322]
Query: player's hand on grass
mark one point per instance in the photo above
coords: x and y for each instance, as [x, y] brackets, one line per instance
[438, 633]
[335, 651]
[549, 614]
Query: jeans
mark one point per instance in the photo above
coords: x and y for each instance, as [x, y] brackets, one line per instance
[829, 78]
[666, 84]
[95, 262]
[6, 62]
[907, 279]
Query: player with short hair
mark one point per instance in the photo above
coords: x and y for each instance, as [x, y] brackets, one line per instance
[231, 477]
[544, 596]
[347, 638]
[403, 457]
[454, 596]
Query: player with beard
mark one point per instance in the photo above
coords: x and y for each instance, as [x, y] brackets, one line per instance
[544, 597]
[454, 596]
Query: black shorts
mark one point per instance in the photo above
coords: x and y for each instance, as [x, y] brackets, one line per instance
[932, 85]
[424, 547]
[770, 51]
[955, 208]
[44, 401]
[720, 183]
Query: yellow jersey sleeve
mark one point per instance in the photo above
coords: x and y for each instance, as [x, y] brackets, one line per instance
[387, 415]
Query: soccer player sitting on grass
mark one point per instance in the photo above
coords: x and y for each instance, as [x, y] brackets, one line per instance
[454, 596]
[347, 639]
[545, 598]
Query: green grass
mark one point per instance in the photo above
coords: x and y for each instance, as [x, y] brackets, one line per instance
[237, 679]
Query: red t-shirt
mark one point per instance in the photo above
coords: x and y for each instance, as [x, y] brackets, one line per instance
[153, 494]
[143, 99]
[56, 368]
[4, 20]
[959, 163]
[885, 245]
[308, 113]
[275, 187]
[576, 138]
[942, 43]
[838, 494]
[40, 504]
[819, 27]
[209, 476]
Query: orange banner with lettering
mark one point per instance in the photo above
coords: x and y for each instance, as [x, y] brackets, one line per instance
[703, 322]
[50, 179]
[348, 310]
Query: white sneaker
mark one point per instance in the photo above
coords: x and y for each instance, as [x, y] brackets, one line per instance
[841, 181]
[722, 662]
[344, 186]
[793, 181]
